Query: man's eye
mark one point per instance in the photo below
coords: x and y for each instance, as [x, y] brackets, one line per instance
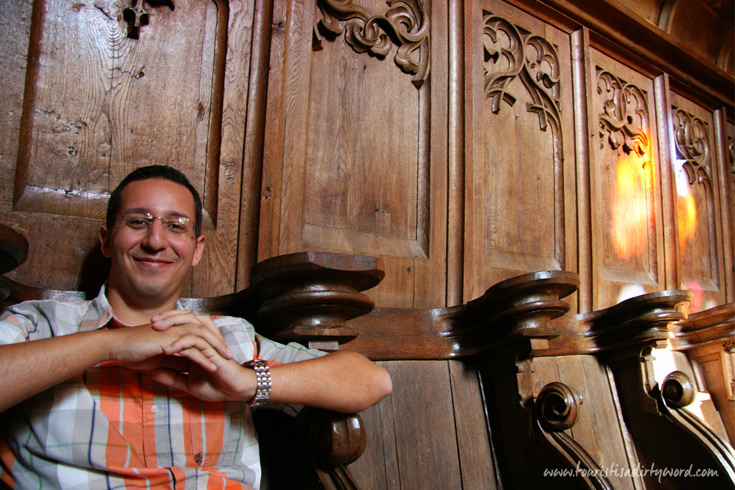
[176, 227]
[138, 222]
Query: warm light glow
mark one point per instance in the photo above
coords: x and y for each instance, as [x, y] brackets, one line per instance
[686, 208]
[697, 296]
[629, 213]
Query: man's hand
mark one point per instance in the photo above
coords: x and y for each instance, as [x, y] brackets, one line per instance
[198, 364]
[146, 346]
[228, 382]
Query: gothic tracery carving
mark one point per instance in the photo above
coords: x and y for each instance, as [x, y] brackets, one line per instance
[405, 24]
[625, 117]
[137, 16]
[692, 145]
[511, 52]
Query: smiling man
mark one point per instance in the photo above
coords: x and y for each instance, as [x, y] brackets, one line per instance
[127, 390]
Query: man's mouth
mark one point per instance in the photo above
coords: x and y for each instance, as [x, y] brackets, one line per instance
[152, 262]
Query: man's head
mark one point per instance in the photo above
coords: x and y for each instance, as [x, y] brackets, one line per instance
[154, 172]
[152, 239]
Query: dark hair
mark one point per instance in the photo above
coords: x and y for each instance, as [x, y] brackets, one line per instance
[154, 172]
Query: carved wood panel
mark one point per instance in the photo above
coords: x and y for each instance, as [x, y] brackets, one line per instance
[520, 190]
[627, 243]
[111, 86]
[354, 130]
[698, 214]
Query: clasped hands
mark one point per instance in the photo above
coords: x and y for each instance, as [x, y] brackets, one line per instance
[188, 352]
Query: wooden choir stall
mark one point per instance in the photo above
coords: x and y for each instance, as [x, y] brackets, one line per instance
[523, 209]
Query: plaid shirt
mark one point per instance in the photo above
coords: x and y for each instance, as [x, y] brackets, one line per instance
[113, 427]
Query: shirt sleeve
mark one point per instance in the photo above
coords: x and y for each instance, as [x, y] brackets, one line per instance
[246, 344]
[19, 324]
[284, 354]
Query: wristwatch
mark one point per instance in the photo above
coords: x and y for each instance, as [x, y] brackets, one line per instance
[262, 379]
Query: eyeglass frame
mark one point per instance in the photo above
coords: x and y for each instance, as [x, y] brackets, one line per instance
[145, 216]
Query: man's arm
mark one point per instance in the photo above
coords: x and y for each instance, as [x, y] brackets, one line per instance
[344, 381]
[27, 368]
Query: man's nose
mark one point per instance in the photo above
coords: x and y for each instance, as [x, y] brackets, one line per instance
[156, 238]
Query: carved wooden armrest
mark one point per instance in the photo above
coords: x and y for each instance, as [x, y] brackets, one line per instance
[625, 336]
[308, 297]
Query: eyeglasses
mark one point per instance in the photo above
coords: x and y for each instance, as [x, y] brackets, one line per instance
[177, 225]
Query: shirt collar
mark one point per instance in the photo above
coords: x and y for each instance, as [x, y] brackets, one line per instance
[102, 308]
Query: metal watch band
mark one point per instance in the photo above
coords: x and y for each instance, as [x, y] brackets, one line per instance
[262, 380]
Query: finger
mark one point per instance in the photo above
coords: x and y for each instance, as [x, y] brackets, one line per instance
[201, 338]
[195, 350]
[170, 378]
[167, 319]
[174, 363]
[206, 321]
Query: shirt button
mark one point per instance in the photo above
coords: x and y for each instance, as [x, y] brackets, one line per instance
[154, 409]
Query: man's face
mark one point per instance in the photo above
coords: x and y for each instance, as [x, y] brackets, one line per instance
[149, 264]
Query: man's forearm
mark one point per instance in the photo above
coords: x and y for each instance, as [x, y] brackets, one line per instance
[27, 368]
[30, 367]
[344, 381]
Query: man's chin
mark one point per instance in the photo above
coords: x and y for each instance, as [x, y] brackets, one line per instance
[153, 294]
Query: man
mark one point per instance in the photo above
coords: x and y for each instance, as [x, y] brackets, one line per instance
[126, 390]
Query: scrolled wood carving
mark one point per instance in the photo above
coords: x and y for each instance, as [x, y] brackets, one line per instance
[624, 117]
[557, 407]
[137, 16]
[511, 51]
[555, 410]
[692, 145]
[678, 390]
[405, 24]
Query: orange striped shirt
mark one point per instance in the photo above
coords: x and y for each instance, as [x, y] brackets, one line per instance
[114, 427]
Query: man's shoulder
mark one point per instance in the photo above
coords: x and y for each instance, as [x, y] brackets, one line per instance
[48, 305]
[222, 321]
[60, 316]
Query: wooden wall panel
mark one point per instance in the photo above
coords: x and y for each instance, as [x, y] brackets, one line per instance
[698, 213]
[353, 159]
[410, 448]
[89, 94]
[627, 231]
[478, 470]
[730, 153]
[99, 103]
[726, 172]
[520, 185]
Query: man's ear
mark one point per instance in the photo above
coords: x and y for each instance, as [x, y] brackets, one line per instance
[199, 248]
[105, 241]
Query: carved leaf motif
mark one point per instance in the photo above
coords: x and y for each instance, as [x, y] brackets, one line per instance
[404, 24]
[624, 116]
[511, 52]
[692, 145]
